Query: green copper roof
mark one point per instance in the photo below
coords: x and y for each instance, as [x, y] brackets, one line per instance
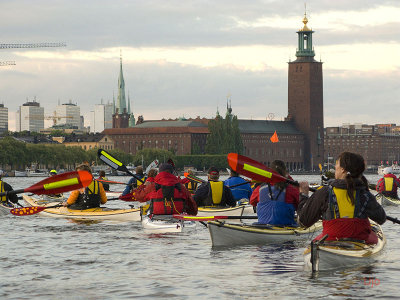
[261, 126]
[174, 123]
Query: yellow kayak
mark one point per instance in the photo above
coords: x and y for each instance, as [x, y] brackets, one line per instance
[98, 213]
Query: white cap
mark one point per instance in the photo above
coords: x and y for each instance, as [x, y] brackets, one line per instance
[1, 173]
[387, 170]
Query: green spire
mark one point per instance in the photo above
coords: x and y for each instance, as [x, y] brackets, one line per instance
[121, 102]
[129, 104]
[305, 47]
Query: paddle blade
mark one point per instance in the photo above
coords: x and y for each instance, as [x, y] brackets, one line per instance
[194, 178]
[108, 159]
[27, 211]
[253, 169]
[128, 197]
[61, 183]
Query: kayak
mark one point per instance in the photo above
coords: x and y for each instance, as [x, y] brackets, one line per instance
[387, 201]
[241, 210]
[164, 224]
[98, 213]
[6, 207]
[223, 234]
[51, 198]
[329, 255]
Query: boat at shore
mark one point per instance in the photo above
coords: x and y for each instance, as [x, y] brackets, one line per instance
[224, 234]
[328, 255]
[98, 213]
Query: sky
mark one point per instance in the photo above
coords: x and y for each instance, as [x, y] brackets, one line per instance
[185, 58]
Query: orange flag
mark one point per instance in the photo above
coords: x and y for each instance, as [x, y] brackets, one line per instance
[274, 138]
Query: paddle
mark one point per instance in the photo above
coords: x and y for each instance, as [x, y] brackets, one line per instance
[57, 184]
[114, 163]
[210, 218]
[255, 170]
[394, 220]
[239, 184]
[112, 182]
[27, 211]
[194, 178]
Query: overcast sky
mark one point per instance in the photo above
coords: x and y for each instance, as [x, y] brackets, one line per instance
[182, 58]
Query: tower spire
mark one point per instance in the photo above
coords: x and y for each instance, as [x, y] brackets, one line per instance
[305, 49]
[121, 101]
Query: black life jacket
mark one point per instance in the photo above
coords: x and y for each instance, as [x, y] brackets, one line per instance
[90, 198]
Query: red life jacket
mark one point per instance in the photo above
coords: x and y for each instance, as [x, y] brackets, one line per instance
[167, 200]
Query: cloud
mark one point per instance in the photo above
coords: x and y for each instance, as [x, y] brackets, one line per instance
[184, 57]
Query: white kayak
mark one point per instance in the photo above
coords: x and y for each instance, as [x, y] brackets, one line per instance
[223, 234]
[387, 201]
[241, 210]
[164, 224]
[98, 213]
[329, 255]
[6, 207]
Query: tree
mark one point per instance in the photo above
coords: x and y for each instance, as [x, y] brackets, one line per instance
[224, 136]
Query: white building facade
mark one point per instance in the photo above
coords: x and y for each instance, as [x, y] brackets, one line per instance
[101, 117]
[68, 114]
[30, 117]
[3, 118]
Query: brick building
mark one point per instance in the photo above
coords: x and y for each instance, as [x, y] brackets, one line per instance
[301, 139]
[178, 136]
[376, 143]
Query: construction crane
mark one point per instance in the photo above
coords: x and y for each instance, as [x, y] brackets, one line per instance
[53, 117]
[23, 46]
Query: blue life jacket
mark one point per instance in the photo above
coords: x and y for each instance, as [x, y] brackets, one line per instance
[272, 208]
[239, 192]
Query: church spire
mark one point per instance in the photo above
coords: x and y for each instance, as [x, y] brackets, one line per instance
[129, 104]
[305, 50]
[121, 102]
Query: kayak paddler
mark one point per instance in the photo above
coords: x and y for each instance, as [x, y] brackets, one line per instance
[90, 197]
[344, 205]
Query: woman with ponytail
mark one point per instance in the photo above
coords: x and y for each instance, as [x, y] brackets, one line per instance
[344, 205]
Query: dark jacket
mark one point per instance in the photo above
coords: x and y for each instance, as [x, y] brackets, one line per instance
[316, 207]
[203, 196]
[7, 188]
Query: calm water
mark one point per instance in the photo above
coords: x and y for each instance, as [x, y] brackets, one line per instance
[46, 258]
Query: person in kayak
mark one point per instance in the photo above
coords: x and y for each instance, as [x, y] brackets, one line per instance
[102, 176]
[344, 205]
[166, 194]
[133, 182]
[277, 204]
[190, 185]
[214, 192]
[5, 187]
[389, 184]
[242, 192]
[90, 197]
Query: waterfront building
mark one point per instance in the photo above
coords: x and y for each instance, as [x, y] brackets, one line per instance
[88, 141]
[68, 114]
[305, 97]
[101, 117]
[30, 117]
[3, 118]
[301, 138]
[378, 144]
